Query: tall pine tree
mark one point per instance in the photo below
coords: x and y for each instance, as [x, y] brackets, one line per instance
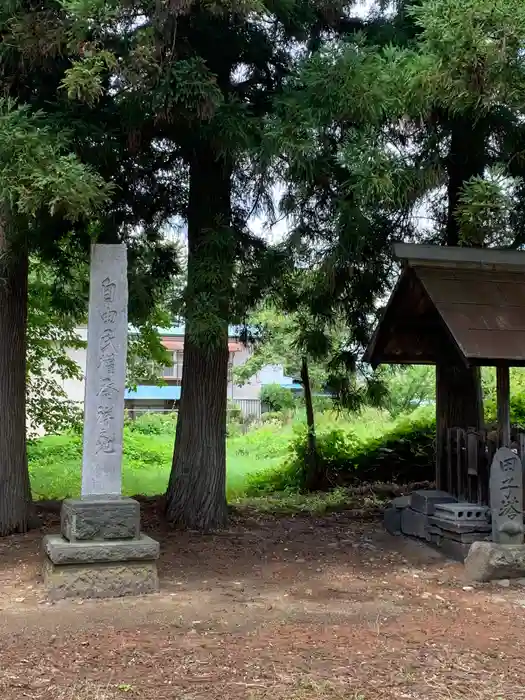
[57, 157]
[211, 107]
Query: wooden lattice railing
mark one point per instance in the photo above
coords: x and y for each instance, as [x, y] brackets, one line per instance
[465, 459]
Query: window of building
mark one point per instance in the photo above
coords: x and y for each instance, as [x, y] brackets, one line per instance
[178, 358]
[168, 370]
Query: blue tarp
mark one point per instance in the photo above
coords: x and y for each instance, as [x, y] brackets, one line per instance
[292, 385]
[154, 393]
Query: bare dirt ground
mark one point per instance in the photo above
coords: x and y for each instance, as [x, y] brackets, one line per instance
[288, 609]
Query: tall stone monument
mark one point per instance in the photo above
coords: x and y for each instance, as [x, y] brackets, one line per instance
[101, 552]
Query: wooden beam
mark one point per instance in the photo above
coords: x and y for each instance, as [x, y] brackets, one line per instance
[503, 397]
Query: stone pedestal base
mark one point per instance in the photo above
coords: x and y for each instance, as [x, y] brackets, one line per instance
[490, 561]
[100, 553]
[100, 580]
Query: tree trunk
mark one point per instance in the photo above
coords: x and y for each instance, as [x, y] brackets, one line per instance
[466, 159]
[196, 496]
[314, 477]
[15, 491]
[459, 399]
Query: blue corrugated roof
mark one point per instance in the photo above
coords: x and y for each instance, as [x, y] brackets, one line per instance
[156, 393]
[291, 385]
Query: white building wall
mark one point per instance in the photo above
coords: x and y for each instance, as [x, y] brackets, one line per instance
[248, 392]
[74, 388]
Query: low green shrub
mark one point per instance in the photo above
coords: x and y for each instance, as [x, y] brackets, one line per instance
[404, 454]
[234, 413]
[275, 417]
[153, 424]
[277, 398]
[517, 410]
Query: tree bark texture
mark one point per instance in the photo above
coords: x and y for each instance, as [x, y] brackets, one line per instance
[314, 477]
[15, 491]
[196, 496]
[459, 399]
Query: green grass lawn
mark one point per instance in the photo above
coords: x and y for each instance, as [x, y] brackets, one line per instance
[55, 460]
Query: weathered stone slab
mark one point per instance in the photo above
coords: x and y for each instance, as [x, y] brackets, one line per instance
[60, 551]
[490, 561]
[100, 580]
[100, 518]
[424, 500]
[392, 520]
[414, 524]
[105, 371]
[438, 534]
[462, 512]
[461, 526]
[506, 497]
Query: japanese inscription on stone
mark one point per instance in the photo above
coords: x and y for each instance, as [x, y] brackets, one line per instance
[105, 371]
[506, 497]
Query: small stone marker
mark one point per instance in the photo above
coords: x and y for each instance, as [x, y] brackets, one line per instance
[101, 552]
[506, 497]
[105, 371]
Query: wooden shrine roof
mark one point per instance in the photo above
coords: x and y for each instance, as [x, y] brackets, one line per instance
[454, 303]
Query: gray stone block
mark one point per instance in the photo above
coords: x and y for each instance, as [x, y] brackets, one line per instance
[462, 512]
[424, 500]
[414, 524]
[460, 527]
[392, 520]
[464, 537]
[100, 580]
[400, 502]
[454, 550]
[490, 561]
[100, 518]
[60, 551]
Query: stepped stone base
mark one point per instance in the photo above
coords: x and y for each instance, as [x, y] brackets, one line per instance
[60, 551]
[101, 552]
[100, 580]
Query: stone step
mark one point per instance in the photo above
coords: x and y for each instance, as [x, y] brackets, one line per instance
[62, 552]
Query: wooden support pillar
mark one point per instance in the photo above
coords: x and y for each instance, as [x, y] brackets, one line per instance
[503, 397]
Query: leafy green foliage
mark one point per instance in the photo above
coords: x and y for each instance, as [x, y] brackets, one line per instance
[409, 388]
[277, 398]
[39, 172]
[274, 418]
[517, 411]
[404, 454]
[51, 334]
[153, 424]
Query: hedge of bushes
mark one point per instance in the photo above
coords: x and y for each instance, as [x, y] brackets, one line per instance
[404, 454]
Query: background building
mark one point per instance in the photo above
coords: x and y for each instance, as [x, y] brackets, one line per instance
[150, 397]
